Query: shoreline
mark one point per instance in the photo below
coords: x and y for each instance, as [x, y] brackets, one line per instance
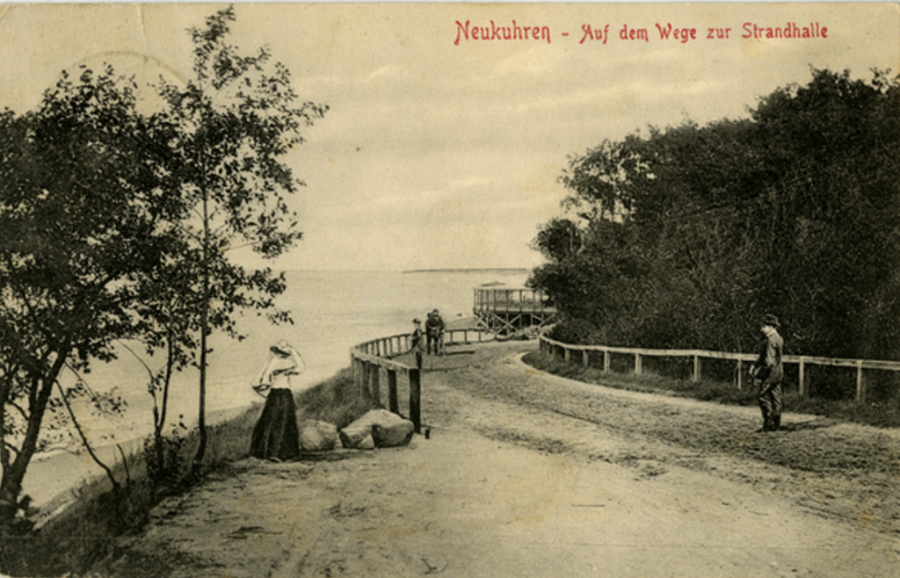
[500, 270]
[54, 481]
[53, 476]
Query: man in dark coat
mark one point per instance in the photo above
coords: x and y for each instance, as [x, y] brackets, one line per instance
[768, 372]
[434, 331]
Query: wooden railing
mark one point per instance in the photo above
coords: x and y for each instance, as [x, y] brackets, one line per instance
[467, 336]
[369, 359]
[551, 346]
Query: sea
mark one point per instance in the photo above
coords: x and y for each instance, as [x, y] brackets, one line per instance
[332, 311]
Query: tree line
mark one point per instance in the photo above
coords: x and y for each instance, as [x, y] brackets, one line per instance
[684, 237]
[115, 228]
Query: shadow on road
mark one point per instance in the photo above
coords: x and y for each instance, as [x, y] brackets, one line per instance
[818, 423]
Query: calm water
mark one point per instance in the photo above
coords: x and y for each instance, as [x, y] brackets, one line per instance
[331, 311]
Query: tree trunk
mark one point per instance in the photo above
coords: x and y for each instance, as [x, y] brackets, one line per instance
[11, 482]
[204, 329]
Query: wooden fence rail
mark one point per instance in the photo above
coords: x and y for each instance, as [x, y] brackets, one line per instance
[466, 336]
[553, 347]
[370, 359]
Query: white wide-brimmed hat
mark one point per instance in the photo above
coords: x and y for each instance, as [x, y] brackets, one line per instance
[281, 348]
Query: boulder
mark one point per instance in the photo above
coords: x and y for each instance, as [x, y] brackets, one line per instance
[354, 434]
[385, 429]
[318, 436]
[388, 436]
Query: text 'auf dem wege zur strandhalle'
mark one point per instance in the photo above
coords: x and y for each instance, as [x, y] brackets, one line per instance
[588, 33]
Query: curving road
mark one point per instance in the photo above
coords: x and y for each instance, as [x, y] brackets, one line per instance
[525, 474]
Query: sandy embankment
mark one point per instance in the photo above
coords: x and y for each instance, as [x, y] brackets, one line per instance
[54, 480]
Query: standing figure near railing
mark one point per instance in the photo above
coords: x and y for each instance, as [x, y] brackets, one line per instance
[434, 331]
[768, 371]
[417, 342]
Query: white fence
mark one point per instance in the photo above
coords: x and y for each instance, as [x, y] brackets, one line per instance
[803, 361]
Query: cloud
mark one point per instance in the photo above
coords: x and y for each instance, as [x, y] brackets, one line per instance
[538, 61]
[470, 182]
[386, 72]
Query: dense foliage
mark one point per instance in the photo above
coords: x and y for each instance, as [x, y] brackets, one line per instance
[82, 219]
[687, 235]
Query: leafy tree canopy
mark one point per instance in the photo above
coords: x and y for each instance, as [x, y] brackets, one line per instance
[691, 233]
[83, 218]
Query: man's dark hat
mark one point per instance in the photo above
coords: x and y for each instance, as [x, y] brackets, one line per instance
[771, 320]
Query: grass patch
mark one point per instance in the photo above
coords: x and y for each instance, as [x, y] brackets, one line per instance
[884, 413]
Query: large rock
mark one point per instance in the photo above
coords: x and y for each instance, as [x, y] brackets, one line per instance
[377, 428]
[318, 436]
[275, 435]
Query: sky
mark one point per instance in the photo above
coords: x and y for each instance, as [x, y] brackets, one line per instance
[443, 154]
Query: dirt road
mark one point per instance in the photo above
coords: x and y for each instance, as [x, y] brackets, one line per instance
[529, 475]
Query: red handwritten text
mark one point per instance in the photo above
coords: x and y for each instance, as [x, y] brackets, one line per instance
[594, 33]
[718, 33]
[790, 30]
[682, 34]
[627, 33]
[494, 32]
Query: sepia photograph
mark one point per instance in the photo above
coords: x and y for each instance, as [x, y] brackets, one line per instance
[477, 290]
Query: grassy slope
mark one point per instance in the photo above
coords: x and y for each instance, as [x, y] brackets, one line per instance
[79, 536]
[885, 414]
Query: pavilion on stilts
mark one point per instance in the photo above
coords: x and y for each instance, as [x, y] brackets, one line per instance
[509, 310]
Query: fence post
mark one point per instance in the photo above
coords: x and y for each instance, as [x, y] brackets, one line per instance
[565, 354]
[363, 381]
[374, 379]
[415, 397]
[393, 403]
[606, 364]
[355, 370]
[586, 358]
[740, 375]
[696, 376]
[637, 364]
[860, 390]
[802, 378]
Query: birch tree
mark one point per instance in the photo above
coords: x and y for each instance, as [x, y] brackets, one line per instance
[236, 119]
